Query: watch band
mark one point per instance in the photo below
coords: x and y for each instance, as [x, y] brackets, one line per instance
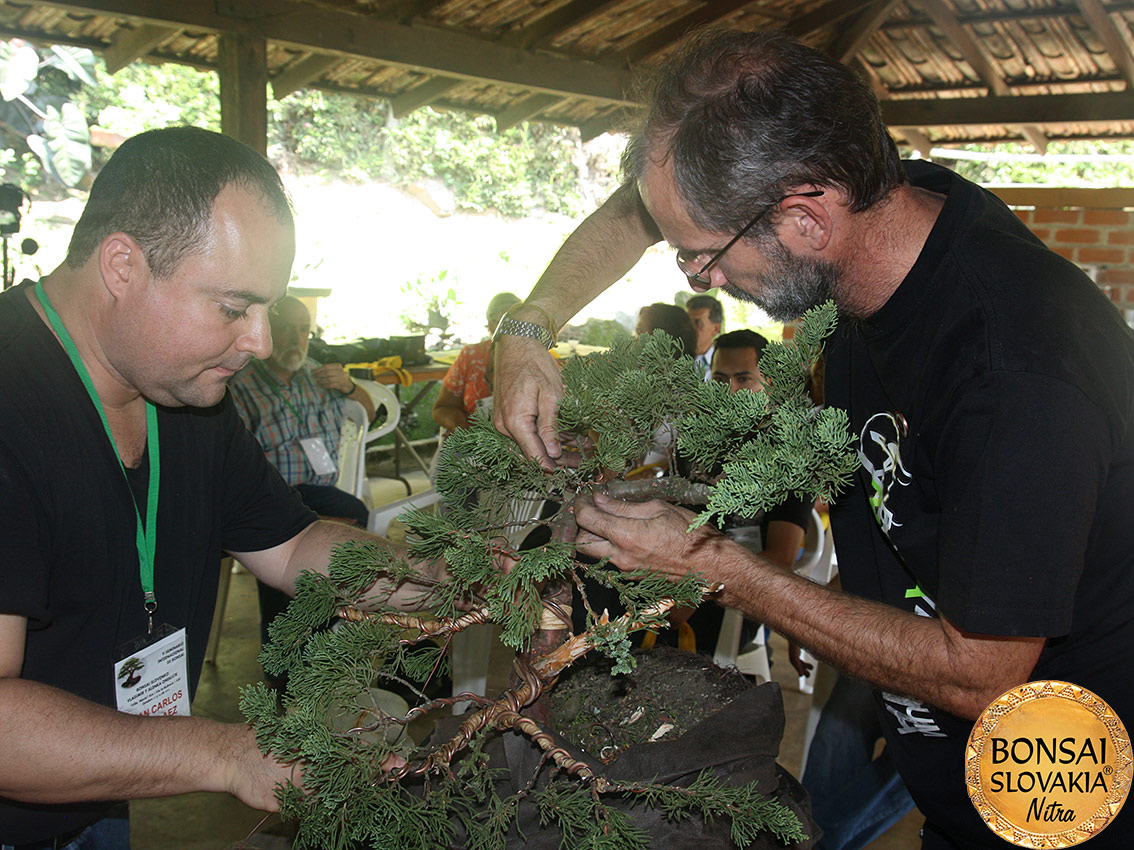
[516, 327]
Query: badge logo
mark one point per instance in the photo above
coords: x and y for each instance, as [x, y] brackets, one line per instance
[1048, 764]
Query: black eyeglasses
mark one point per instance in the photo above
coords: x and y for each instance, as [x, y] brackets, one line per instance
[701, 276]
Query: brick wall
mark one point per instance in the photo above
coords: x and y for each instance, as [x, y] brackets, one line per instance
[1099, 240]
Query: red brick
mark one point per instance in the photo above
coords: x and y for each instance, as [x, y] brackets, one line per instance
[1120, 237]
[1052, 216]
[1116, 277]
[1024, 215]
[1042, 233]
[1078, 236]
[1114, 256]
[1117, 218]
[1064, 252]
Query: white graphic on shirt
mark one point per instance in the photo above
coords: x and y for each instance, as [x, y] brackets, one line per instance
[913, 715]
[881, 456]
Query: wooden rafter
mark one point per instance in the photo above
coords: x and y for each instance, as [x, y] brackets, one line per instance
[978, 60]
[432, 51]
[1098, 17]
[1010, 110]
[829, 13]
[421, 95]
[704, 15]
[131, 44]
[597, 126]
[1029, 13]
[303, 72]
[919, 141]
[851, 39]
[527, 108]
[543, 30]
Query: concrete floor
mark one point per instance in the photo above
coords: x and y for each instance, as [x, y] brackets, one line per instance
[216, 821]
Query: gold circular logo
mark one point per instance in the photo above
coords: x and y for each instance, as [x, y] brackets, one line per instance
[1048, 764]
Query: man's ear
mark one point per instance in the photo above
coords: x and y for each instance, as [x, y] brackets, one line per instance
[807, 222]
[121, 264]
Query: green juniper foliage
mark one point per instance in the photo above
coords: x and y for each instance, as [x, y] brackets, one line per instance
[747, 452]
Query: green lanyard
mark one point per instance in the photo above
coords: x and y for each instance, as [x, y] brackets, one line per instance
[273, 385]
[146, 536]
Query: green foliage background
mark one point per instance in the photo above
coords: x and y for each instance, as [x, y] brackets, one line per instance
[532, 166]
[525, 168]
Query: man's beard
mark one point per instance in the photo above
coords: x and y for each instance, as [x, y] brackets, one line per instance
[291, 359]
[790, 285]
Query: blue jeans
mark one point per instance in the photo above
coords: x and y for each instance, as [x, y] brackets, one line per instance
[854, 797]
[106, 834]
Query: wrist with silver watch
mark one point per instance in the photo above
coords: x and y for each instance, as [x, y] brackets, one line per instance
[518, 327]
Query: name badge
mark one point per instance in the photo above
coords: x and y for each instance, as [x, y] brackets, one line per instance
[317, 455]
[152, 680]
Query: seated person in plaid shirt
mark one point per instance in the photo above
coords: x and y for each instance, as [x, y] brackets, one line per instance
[294, 408]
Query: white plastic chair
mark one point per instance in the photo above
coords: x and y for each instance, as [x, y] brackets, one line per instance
[357, 435]
[352, 449]
[754, 660]
[382, 516]
[815, 564]
[818, 565]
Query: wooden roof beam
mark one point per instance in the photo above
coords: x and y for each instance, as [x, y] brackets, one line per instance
[527, 108]
[543, 30]
[304, 71]
[919, 141]
[978, 59]
[1010, 110]
[1035, 137]
[421, 95]
[597, 126]
[1098, 17]
[135, 43]
[706, 14]
[849, 42]
[829, 13]
[437, 52]
[1032, 13]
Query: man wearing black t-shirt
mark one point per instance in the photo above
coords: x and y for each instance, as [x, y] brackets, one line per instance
[124, 473]
[985, 542]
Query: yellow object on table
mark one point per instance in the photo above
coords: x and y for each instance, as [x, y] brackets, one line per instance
[383, 365]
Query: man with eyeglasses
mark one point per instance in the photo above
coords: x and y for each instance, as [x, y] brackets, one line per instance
[986, 540]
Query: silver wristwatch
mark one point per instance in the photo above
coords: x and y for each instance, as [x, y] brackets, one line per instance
[516, 327]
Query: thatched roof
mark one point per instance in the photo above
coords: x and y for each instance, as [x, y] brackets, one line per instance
[947, 71]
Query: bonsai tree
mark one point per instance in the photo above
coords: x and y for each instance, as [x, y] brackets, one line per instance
[365, 787]
[129, 671]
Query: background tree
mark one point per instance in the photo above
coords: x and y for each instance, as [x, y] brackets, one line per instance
[37, 115]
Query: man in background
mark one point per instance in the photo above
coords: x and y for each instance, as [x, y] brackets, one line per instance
[707, 316]
[294, 408]
[736, 360]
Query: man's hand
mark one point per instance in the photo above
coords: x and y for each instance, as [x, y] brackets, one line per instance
[331, 376]
[795, 656]
[251, 776]
[648, 535]
[526, 392]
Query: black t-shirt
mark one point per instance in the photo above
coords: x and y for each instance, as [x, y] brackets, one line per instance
[68, 559]
[993, 399]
